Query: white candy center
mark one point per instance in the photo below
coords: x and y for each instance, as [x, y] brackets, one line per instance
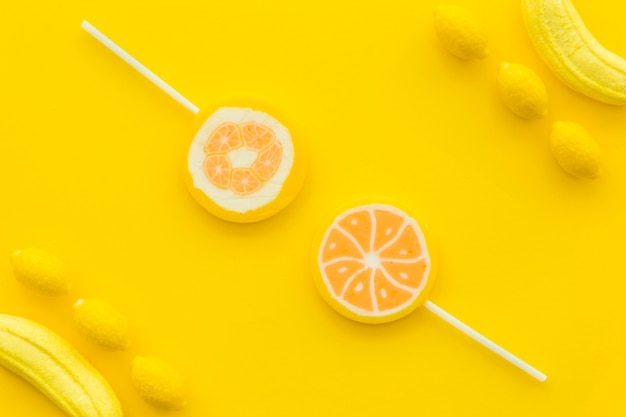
[242, 157]
[372, 260]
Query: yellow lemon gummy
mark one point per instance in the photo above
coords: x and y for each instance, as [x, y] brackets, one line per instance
[158, 383]
[101, 323]
[522, 91]
[575, 150]
[41, 271]
[460, 33]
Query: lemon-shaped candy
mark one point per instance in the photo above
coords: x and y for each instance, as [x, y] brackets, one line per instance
[460, 32]
[41, 271]
[101, 323]
[575, 150]
[522, 91]
[158, 383]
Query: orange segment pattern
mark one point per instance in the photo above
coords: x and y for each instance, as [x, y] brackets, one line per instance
[358, 290]
[359, 225]
[257, 137]
[268, 162]
[229, 137]
[408, 273]
[217, 169]
[387, 294]
[223, 139]
[341, 271]
[403, 246]
[340, 245]
[244, 181]
[373, 260]
[388, 226]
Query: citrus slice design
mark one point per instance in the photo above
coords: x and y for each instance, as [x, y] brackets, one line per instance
[372, 264]
[223, 139]
[245, 182]
[268, 162]
[217, 169]
[243, 164]
[256, 136]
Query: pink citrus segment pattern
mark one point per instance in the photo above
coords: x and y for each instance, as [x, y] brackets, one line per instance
[268, 162]
[373, 260]
[223, 139]
[217, 169]
[256, 136]
[244, 181]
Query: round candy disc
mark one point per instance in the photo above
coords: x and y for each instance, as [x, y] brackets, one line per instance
[372, 264]
[243, 165]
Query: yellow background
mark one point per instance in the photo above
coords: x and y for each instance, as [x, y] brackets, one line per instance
[90, 156]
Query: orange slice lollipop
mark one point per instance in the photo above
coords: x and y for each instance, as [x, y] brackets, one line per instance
[243, 165]
[373, 265]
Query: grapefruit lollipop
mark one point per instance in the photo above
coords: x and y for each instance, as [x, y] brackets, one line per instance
[373, 264]
[243, 165]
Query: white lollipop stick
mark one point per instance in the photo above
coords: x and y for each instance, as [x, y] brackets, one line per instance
[139, 67]
[447, 317]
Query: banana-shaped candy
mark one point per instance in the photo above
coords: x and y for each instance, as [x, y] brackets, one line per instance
[571, 51]
[54, 367]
